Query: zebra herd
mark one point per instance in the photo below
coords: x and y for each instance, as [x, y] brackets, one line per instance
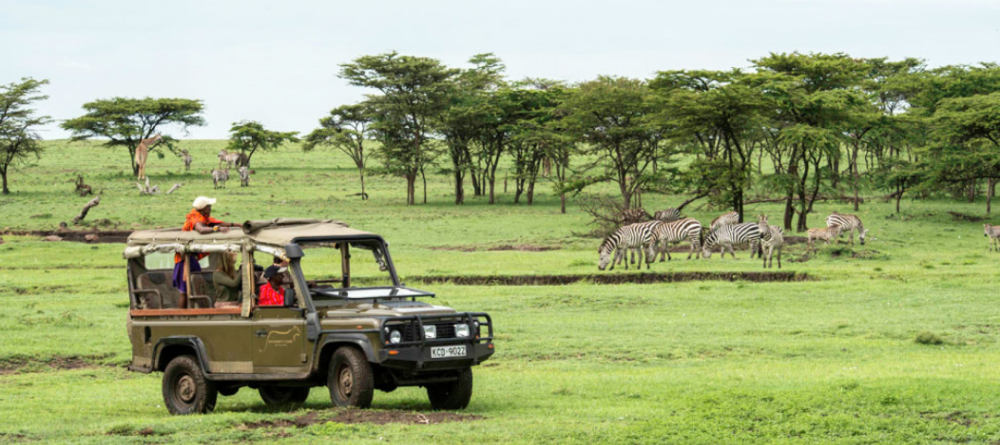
[648, 235]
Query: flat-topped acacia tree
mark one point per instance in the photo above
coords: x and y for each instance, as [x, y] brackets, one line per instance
[125, 122]
[347, 129]
[249, 136]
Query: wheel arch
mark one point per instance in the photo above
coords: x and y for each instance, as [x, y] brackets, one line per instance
[169, 348]
[330, 344]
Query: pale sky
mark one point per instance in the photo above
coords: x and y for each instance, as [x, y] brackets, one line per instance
[277, 61]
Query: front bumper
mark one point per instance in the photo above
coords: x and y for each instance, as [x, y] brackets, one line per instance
[416, 354]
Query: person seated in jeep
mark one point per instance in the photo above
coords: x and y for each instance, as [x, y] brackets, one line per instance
[228, 281]
[271, 293]
[200, 220]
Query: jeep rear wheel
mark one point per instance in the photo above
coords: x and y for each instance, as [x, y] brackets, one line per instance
[452, 395]
[275, 396]
[350, 379]
[185, 388]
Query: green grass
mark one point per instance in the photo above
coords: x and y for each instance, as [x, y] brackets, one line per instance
[896, 343]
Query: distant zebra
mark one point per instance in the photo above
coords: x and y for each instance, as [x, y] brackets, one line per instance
[771, 239]
[848, 223]
[245, 176]
[729, 235]
[631, 237]
[219, 178]
[632, 216]
[825, 234]
[993, 233]
[666, 233]
[725, 219]
[668, 215]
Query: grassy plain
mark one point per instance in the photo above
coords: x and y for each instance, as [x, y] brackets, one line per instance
[827, 361]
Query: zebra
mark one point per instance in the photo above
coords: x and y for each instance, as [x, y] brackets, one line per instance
[771, 239]
[219, 178]
[631, 237]
[668, 215]
[825, 234]
[848, 223]
[632, 216]
[728, 235]
[245, 176]
[187, 159]
[667, 233]
[725, 219]
[993, 235]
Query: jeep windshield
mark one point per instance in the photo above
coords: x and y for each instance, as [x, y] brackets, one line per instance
[351, 270]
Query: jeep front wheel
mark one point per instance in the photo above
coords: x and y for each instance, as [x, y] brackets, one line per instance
[185, 388]
[350, 379]
[276, 396]
[452, 395]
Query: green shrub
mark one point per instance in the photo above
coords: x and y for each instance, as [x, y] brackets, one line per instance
[928, 338]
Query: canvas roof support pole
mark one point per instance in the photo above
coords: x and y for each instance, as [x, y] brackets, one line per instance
[248, 279]
[345, 262]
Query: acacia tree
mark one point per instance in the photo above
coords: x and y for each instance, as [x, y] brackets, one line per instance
[612, 116]
[347, 129]
[412, 93]
[249, 136]
[125, 122]
[18, 140]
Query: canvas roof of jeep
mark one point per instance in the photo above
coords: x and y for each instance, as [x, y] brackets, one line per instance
[275, 233]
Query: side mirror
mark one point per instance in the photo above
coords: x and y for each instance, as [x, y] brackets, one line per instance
[289, 297]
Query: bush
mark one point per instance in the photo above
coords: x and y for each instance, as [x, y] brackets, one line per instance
[928, 338]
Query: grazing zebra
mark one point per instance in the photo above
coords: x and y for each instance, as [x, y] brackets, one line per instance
[825, 234]
[993, 233]
[631, 237]
[245, 176]
[848, 223]
[219, 178]
[771, 239]
[729, 235]
[668, 233]
[632, 216]
[725, 219]
[668, 215]
[187, 159]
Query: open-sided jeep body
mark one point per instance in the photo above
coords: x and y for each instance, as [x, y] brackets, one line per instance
[329, 332]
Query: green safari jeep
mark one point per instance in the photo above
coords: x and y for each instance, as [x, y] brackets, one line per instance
[348, 325]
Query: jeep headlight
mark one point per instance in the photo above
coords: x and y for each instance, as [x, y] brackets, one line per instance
[430, 331]
[462, 330]
[395, 337]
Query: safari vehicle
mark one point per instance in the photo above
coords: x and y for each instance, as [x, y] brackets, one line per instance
[330, 331]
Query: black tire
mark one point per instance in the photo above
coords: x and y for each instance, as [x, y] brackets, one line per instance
[228, 390]
[452, 395]
[185, 388]
[350, 379]
[276, 396]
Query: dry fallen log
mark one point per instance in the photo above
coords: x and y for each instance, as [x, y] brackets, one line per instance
[52, 238]
[175, 187]
[86, 208]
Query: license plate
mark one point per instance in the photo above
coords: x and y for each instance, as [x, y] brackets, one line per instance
[448, 351]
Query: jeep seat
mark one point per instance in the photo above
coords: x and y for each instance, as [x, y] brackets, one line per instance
[155, 283]
[201, 294]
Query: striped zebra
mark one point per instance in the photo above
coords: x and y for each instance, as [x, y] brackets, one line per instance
[633, 237]
[826, 234]
[729, 235]
[725, 219]
[993, 235]
[632, 216]
[848, 223]
[771, 238]
[668, 215]
[667, 233]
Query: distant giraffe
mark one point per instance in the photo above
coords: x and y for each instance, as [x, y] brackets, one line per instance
[142, 153]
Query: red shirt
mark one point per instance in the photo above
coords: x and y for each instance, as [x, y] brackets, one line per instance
[194, 217]
[271, 297]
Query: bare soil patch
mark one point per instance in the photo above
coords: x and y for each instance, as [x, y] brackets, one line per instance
[355, 416]
[80, 236]
[958, 216]
[611, 278]
[23, 364]
[500, 248]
